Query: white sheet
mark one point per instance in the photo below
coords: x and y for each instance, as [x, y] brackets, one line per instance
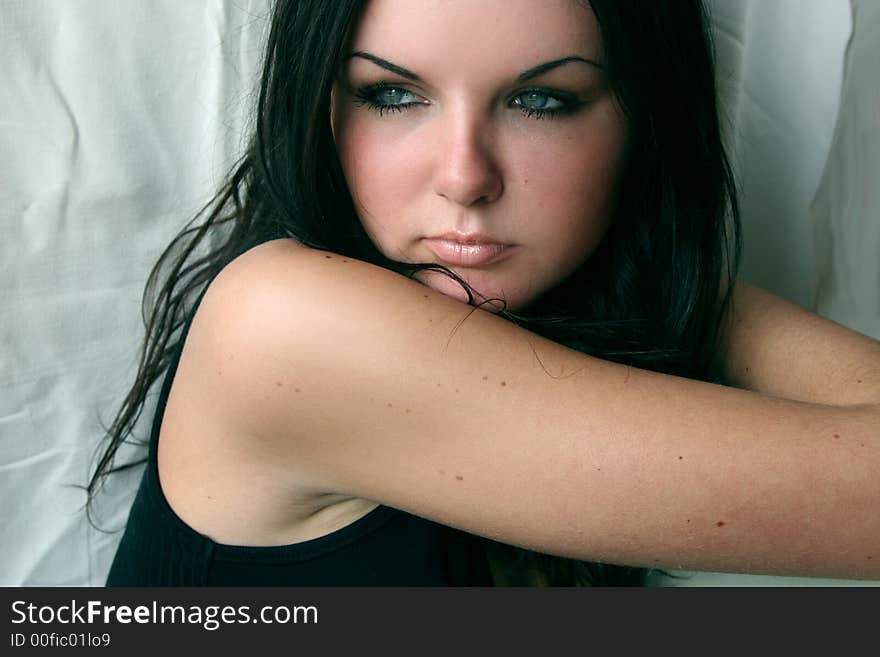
[118, 118]
[846, 209]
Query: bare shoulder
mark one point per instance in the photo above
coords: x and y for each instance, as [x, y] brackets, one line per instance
[289, 327]
[214, 474]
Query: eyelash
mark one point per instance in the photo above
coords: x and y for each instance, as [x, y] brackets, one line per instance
[369, 96]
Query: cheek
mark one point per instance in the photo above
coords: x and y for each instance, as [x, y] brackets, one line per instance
[568, 186]
[383, 177]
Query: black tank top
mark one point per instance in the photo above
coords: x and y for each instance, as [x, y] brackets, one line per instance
[386, 547]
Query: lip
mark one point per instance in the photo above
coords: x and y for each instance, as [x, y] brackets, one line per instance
[467, 250]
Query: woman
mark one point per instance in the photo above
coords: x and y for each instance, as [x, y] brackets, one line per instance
[544, 391]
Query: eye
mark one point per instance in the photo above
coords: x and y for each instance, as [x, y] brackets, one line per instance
[539, 104]
[383, 97]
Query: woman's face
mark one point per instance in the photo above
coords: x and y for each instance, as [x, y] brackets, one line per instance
[482, 136]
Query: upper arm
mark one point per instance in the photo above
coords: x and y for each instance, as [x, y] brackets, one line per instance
[375, 386]
[776, 347]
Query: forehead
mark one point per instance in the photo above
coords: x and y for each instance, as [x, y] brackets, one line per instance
[433, 34]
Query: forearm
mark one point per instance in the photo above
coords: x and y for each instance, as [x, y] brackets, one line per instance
[777, 348]
[779, 487]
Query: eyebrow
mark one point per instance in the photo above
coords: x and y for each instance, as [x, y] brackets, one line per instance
[547, 66]
[522, 77]
[394, 68]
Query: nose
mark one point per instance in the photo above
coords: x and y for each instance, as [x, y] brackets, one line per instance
[467, 172]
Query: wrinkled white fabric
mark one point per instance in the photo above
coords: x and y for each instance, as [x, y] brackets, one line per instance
[846, 210]
[118, 120]
[791, 69]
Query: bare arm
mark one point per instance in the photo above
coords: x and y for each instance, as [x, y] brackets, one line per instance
[365, 383]
[778, 348]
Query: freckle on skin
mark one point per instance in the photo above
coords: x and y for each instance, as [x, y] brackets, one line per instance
[837, 435]
[296, 389]
[407, 410]
[720, 523]
[279, 384]
[680, 458]
[485, 378]
[504, 383]
[329, 257]
[459, 477]
[389, 404]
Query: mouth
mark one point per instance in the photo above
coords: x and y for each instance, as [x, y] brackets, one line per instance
[470, 250]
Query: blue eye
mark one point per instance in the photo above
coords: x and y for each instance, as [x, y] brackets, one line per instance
[536, 103]
[540, 104]
[384, 97]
